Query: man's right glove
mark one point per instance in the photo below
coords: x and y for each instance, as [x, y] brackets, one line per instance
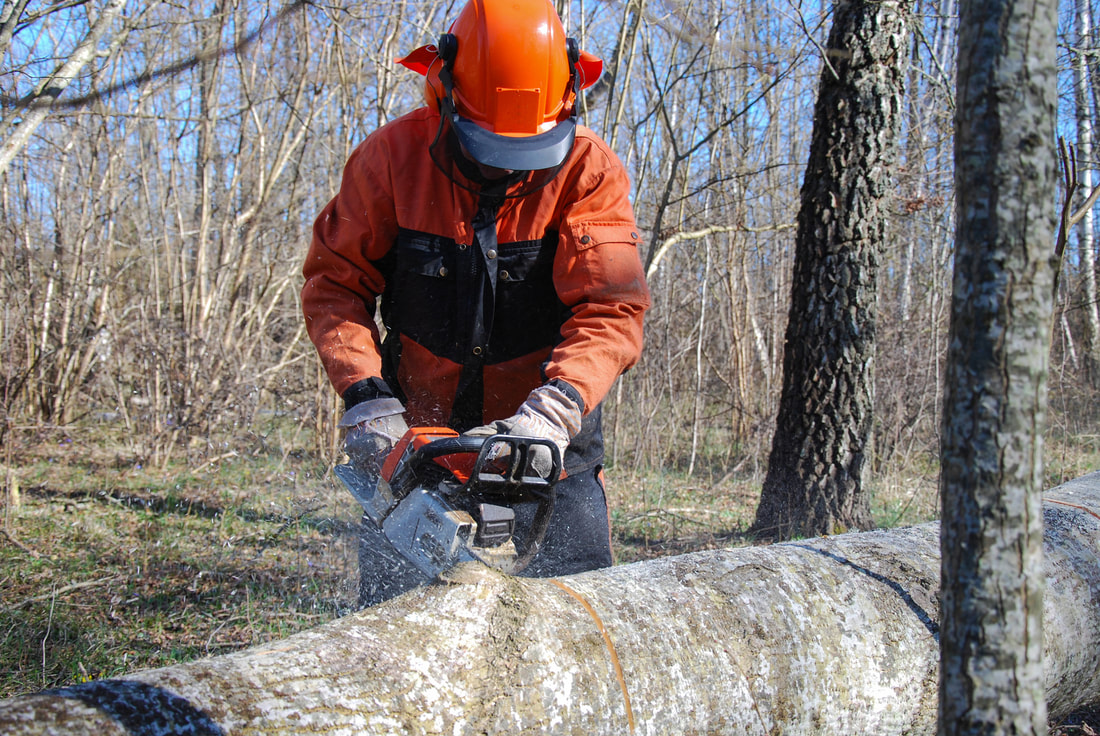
[371, 429]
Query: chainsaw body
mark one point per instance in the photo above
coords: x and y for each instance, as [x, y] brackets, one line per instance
[444, 498]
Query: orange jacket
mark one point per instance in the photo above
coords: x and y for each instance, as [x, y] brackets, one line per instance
[562, 288]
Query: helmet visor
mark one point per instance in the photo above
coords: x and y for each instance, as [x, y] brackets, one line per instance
[528, 153]
[449, 157]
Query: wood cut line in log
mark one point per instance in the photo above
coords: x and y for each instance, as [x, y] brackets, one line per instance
[824, 636]
[610, 650]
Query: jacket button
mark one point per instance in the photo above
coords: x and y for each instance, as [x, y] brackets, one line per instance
[442, 270]
[477, 350]
[491, 254]
[634, 235]
[585, 240]
[504, 276]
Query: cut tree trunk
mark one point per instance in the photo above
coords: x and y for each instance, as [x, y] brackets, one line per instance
[827, 636]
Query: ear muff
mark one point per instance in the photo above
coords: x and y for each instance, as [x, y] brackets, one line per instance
[573, 89]
[447, 48]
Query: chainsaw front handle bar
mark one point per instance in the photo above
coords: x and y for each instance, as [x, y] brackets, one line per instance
[521, 459]
[505, 463]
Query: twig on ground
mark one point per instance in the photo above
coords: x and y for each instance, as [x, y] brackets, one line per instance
[11, 538]
[59, 591]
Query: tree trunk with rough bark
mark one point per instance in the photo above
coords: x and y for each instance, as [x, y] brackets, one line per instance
[814, 483]
[827, 636]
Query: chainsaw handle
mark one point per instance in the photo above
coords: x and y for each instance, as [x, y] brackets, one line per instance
[447, 446]
[520, 474]
[513, 474]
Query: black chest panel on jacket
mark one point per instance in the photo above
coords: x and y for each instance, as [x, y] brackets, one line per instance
[441, 294]
[473, 305]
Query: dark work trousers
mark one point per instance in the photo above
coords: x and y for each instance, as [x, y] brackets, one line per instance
[578, 539]
[579, 536]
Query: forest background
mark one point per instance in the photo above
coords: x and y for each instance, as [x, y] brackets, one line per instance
[166, 433]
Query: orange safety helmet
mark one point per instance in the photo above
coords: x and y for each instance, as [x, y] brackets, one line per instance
[507, 78]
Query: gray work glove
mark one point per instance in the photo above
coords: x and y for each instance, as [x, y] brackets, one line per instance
[371, 429]
[548, 413]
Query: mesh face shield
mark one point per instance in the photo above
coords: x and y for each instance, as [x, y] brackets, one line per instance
[449, 157]
[530, 153]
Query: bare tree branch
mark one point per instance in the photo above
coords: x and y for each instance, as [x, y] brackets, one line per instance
[1069, 217]
[42, 99]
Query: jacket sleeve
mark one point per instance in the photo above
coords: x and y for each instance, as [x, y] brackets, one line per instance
[342, 279]
[598, 275]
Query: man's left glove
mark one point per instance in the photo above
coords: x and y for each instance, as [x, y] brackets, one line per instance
[371, 429]
[548, 413]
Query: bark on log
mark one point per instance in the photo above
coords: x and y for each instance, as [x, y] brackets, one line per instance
[827, 636]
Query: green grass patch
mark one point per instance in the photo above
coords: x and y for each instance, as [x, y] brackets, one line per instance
[109, 570]
[662, 513]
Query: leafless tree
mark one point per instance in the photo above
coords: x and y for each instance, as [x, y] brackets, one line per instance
[153, 223]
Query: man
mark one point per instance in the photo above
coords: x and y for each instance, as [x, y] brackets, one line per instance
[498, 234]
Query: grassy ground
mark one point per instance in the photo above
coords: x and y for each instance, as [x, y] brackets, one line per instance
[107, 567]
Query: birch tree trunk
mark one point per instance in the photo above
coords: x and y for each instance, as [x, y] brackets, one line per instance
[827, 636]
[1085, 241]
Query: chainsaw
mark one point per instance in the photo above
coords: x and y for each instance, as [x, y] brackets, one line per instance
[444, 498]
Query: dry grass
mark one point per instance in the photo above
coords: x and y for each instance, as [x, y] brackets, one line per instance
[104, 570]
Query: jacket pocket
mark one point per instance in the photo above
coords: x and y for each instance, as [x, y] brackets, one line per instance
[421, 299]
[529, 314]
[528, 261]
[422, 254]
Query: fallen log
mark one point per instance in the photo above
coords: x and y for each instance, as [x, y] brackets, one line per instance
[826, 636]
